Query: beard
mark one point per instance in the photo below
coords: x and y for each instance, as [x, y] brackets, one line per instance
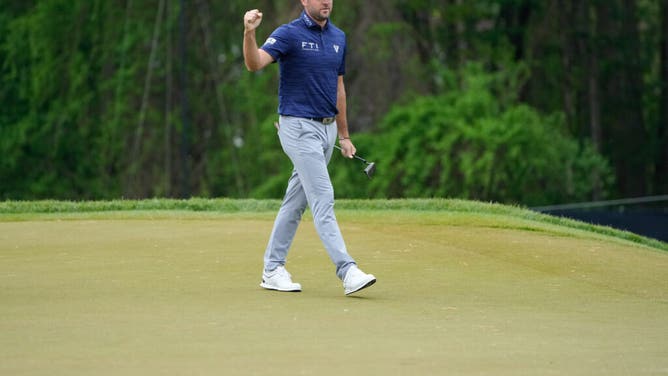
[320, 15]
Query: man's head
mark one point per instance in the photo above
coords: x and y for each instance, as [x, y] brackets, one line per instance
[319, 10]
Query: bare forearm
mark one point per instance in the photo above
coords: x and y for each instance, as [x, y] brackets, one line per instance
[251, 53]
[347, 147]
[342, 117]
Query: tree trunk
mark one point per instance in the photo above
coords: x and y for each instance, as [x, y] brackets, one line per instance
[185, 157]
[594, 94]
[631, 132]
[169, 82]
[661, 164]
[567, 60]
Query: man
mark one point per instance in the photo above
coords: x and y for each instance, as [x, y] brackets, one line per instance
[312, 106]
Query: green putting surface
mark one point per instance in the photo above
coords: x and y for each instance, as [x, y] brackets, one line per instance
[456, 294]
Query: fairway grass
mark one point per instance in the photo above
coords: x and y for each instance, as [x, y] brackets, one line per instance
[176, 292]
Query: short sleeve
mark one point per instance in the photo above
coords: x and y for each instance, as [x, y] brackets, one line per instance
[277, 45]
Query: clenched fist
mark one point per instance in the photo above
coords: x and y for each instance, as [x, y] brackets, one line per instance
[252, 19]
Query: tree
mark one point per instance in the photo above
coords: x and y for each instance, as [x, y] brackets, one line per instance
[150, 98]
[468, 143]
[661, 161]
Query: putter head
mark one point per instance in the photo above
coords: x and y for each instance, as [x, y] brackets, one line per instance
[370, 170]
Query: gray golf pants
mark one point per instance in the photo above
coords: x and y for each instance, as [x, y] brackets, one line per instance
[309, 146]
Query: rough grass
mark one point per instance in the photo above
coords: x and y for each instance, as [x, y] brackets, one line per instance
[508, 215]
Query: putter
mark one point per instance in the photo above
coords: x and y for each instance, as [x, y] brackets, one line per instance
[370, 168]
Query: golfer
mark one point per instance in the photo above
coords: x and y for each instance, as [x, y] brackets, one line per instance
[311, 53]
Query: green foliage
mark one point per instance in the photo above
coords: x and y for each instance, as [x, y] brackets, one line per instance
[469, 144]
[57, 140]
[88, 115]
[46, 63]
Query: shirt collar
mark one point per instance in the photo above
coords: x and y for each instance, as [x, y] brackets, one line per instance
[308, 21]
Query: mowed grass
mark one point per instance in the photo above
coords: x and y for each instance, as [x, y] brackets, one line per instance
[463, 292]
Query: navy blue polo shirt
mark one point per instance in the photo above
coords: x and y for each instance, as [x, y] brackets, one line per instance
[310, 60]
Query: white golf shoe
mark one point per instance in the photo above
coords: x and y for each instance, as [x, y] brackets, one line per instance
[356, 280]
[279, 279]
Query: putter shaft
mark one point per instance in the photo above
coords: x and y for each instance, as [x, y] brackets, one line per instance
[354, 155]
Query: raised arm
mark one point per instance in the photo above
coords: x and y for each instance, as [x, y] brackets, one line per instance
[254, 57]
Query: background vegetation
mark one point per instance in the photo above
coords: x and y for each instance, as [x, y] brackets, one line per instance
[523, 101]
